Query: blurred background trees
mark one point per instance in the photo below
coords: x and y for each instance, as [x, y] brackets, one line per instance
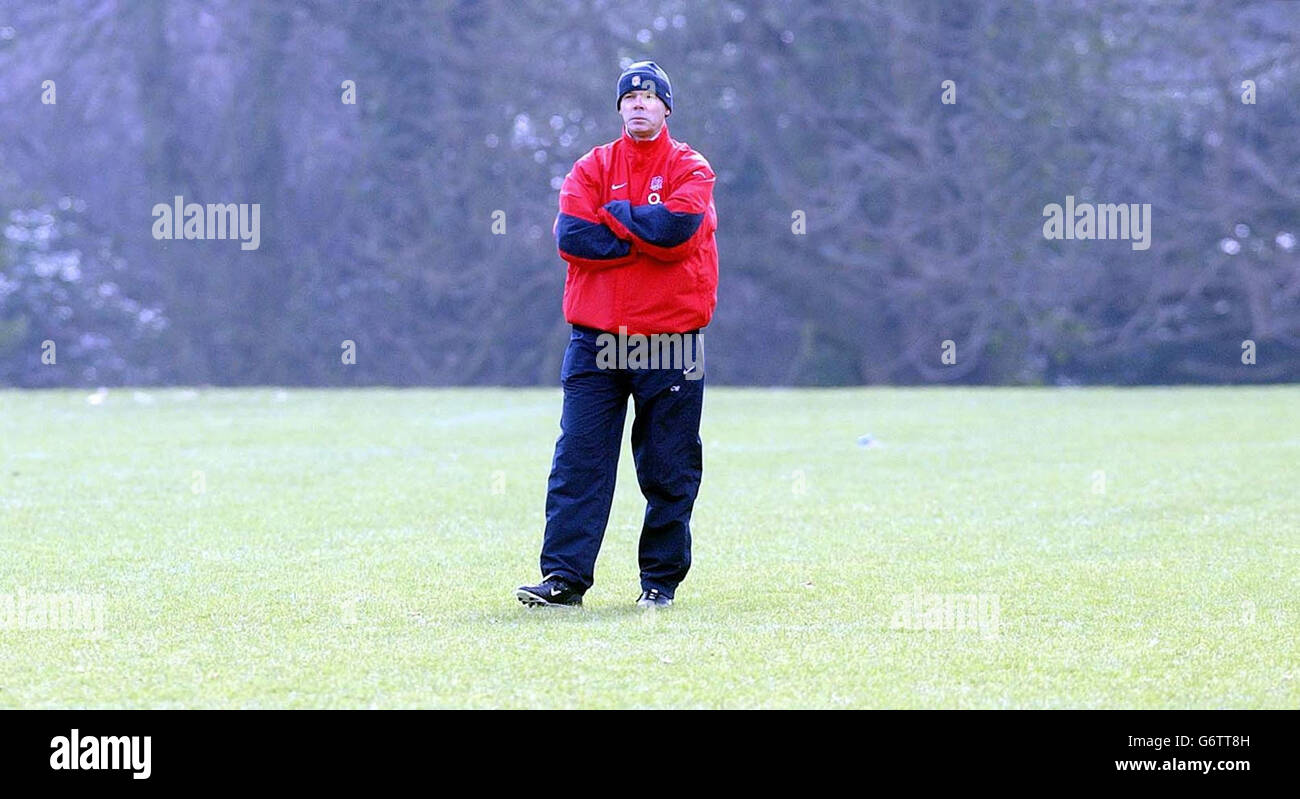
[923, 219]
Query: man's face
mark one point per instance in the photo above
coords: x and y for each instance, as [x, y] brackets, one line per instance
[643, 113]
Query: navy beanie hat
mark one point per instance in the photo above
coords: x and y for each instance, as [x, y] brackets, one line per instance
[648, 76]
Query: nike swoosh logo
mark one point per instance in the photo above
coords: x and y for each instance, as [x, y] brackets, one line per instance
[619, 186]
[555, 592]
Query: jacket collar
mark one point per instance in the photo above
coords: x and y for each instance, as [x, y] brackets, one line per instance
[642, 149]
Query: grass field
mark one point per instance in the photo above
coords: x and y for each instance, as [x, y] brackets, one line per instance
[356, 548]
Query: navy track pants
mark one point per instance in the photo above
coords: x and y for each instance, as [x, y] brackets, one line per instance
[666, 448]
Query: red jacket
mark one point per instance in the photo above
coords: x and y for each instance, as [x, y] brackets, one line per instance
[636, 227]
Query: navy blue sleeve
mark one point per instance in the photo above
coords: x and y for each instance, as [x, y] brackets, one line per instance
[655, 223]
[590, 240]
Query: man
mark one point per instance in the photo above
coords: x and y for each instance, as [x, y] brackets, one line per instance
[636, 227]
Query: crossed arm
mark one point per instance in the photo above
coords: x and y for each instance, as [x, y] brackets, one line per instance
[601, 237]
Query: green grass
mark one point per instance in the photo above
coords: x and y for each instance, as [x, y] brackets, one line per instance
[347, 549]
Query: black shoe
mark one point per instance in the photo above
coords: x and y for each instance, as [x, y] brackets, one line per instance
[552, 592]
[654, 598]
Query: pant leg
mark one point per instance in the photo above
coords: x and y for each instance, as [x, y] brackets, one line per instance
[581, 486]
[668, 452]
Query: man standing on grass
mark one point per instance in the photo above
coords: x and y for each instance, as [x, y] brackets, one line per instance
[636, 227]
